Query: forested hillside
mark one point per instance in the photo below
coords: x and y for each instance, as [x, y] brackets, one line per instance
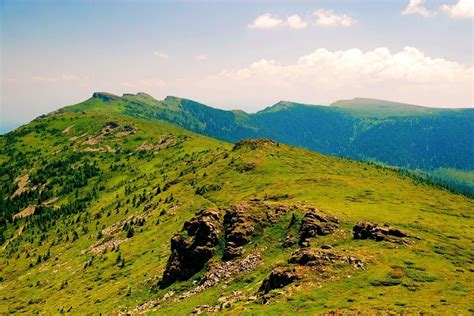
[406, 136]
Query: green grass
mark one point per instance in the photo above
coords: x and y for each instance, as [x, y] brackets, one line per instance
[434, 274]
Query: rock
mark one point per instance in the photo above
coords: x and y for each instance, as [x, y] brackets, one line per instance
[278, 278]
[316, 223]
[232, 252]
[247, 219]
[253, 144]
[105, 96]
[365, 230]
[193, 247]
[111, 125]
[289, 241]
[240, 226]
[326, 247]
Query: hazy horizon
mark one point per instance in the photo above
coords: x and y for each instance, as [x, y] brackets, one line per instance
[235, 55]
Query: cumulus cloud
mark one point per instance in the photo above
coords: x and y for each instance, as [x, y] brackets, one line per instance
[326, 18]
[416, 7]
[201, 57]
[161, 55]
[462, 9]
[265, 21]
[296, 22]
[324, 76]
[330, 19]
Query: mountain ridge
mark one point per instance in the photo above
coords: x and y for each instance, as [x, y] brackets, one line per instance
[428, 139]
[99, 211]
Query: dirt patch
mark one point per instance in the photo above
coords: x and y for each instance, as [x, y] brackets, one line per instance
[103, 149]
[22, 183]
[27, 211]
[68, 129]
[74, 138]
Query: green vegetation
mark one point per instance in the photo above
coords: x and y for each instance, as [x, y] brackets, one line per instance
[92, 195]
[390, 133]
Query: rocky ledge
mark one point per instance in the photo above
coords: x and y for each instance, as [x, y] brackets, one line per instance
[192, 247]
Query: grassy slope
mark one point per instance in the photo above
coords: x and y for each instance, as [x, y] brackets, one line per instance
[441, 280]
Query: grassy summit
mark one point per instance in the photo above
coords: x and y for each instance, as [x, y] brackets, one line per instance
[92, 195]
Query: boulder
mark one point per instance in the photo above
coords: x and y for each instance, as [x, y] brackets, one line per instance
[277, 279]
[316, 223]
[365, 230]
[193, 247]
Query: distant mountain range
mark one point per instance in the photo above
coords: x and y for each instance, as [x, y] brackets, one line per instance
[438, 141]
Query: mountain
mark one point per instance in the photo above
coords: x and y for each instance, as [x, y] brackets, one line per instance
[402, 135]
[107, 209]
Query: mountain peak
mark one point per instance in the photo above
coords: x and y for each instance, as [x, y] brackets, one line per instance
[367, 107]
[105, 96]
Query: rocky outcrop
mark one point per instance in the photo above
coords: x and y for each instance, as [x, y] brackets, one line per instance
[245, 220]
[253, 144]
[309, 257]
[316, 223]
[105, 96]
[193, 247]
[239, 227]
[365, 230]
[278, 278]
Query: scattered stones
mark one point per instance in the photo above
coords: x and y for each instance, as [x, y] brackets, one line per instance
[365, 230]
[163, 143]
[104, 244]
[278, 278]
[316, 223]
[193, 247]
[319, 258]
[223, 272]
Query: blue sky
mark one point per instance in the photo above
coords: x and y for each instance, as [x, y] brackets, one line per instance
[55, 53]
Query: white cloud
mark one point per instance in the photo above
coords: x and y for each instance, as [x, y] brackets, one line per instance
[462, 9]
[329, 18]
[416, 7]
[265, 21]
[161, 55]
[296, 22]
[324, 76]
[201, 57]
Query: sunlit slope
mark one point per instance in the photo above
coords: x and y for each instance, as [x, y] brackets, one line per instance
[390, 133]
[97, 196]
